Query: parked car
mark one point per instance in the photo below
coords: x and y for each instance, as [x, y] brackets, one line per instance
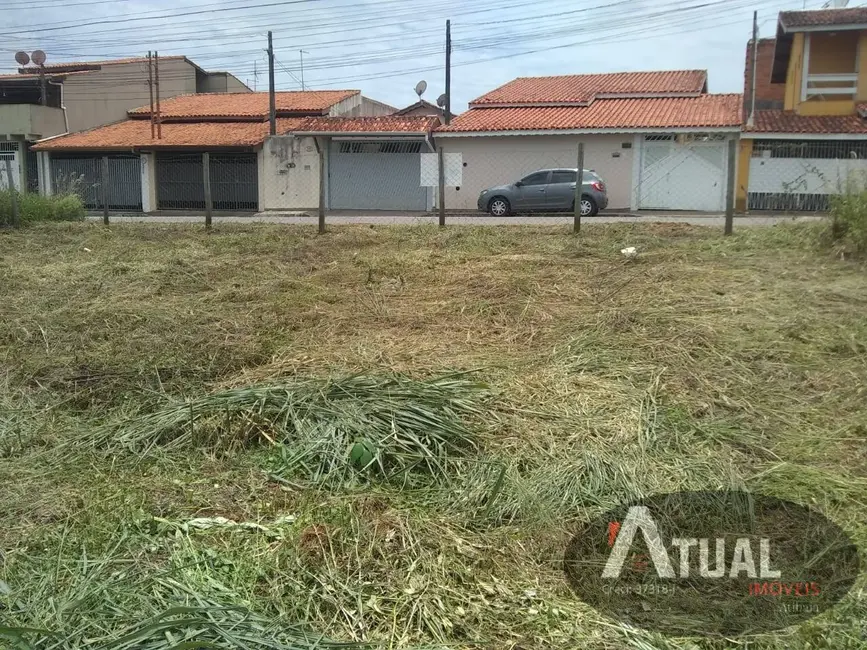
[546, 190]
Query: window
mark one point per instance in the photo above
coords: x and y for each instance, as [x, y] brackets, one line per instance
[380, 147]
[565, 176]
[539, 178]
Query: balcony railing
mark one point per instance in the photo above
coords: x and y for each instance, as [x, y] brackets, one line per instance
[830, 84]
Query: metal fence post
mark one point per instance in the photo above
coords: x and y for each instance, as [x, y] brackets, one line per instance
[731, 182]
[206, 179]
[13, 194]
[579, 185]
[104, 190]
[441, 165]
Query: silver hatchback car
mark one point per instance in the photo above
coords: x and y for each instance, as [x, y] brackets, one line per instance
[546, 190]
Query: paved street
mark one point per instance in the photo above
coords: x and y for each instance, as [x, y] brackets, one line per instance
[476, 220]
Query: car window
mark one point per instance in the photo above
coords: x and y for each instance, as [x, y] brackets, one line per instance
[539, 178]
[564, 176]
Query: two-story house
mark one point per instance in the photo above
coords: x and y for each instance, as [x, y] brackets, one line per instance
[805, 99]
[72, 97]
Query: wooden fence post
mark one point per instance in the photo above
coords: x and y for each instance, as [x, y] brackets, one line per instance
[104, 189]
[206, 178]
[442, 185]
[579, 189]
[13, 194]
[731, 181]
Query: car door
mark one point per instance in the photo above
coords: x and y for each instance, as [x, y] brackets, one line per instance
[561, 189]
[532, 190]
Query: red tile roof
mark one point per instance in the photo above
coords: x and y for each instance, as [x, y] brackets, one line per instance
[790, 122]
[607, 114]
[244, 105]
[137, 134]
[580, 89]
[793, 20]
[383, 124]
[768, 95]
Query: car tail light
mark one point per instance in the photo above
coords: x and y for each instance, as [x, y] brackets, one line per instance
[599, 186]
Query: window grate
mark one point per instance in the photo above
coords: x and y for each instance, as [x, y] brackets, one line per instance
[380, 147]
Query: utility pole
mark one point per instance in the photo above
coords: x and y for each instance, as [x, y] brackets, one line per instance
[302, 53]
[151, 92]
[752, 115]
[157, 90]
[272, 99]
[579, 189]
[255, 76]
[448, 111]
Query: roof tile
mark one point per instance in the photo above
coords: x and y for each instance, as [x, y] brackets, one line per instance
[790, 122]
[792, 20]
[583, 88]
[244, 105]
[609, 114]
[137, 134]
[382, 124]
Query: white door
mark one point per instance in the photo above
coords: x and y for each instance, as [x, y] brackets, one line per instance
[682, 173]
[11, 156]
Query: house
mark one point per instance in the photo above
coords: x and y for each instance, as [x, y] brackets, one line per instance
[658, 139]
[80, 96]
[248, 169]
[805, 136]
[421, 107]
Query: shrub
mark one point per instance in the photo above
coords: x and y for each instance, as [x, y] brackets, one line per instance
[35, 207]
[849, 221]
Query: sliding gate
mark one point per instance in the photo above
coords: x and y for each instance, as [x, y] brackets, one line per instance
[181, 186]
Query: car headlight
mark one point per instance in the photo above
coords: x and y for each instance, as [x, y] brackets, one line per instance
[483, 192]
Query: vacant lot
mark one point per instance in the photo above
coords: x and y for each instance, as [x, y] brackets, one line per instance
[141, 471]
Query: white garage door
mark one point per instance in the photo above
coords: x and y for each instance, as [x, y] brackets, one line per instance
[682, 172]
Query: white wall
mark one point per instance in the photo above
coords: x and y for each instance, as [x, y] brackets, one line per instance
[497, 160]
[289, 174]
[806, 175]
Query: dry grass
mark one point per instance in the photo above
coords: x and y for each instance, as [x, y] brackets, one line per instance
[704, 363]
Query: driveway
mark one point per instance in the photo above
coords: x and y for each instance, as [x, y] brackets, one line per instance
[702, 219]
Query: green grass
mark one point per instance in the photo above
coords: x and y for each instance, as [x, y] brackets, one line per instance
[33, 207]
[180, 414]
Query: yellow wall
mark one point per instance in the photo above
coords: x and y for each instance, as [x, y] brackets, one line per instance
[828, 54]
[745, 153]
[793, 74]
[833, 53]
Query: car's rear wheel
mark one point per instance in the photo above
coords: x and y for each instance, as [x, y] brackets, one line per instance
[499, 206]
[588, 206]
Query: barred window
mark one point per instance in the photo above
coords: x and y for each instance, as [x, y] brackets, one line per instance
[380, 147]
[810, 149]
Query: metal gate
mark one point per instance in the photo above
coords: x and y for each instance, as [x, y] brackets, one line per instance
[82, 174]
[685, 172]
[181, 186]
[376, 176]
[9, 151]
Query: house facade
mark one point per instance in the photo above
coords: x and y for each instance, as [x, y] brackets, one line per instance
[80, 96]
[658, 139]
[805, 102]
[152, 169]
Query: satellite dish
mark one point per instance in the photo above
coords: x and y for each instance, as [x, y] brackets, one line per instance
[420, 87]
[22, 58]
[441, 101]
[38, 57]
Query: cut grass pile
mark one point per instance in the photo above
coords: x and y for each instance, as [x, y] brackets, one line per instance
[293, 435]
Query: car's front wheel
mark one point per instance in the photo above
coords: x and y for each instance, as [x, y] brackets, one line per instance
[499, 206]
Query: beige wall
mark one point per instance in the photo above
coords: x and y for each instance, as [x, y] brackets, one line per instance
[104, 96]
[498, 160]
[29, 120]
[358, 106]
[289, 174]
[221, 82]
[424, 110]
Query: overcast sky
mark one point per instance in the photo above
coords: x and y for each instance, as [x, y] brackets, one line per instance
[385, 47]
